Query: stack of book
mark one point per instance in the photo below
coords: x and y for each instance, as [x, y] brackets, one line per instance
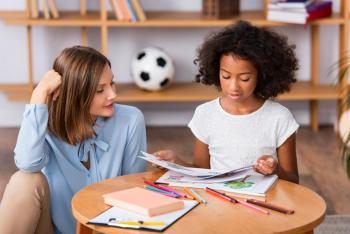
[48, 7]
[143, 201]
[128, 10]
[220, 9]
[298, 11]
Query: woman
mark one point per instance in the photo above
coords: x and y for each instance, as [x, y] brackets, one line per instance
[72, 135]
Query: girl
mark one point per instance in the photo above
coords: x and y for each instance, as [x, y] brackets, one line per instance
[249, 65]
[74, 133]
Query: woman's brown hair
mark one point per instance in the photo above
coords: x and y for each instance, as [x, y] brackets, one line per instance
[69, 116]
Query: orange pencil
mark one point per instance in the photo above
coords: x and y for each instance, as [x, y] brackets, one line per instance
[187, 190]
[188, 195]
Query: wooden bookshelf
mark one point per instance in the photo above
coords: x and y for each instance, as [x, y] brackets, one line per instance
[154, 19]
[188, 92]
[311, 91]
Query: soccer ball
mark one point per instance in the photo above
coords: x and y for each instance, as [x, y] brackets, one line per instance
[152, 69]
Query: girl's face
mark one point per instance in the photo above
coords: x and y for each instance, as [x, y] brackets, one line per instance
[238, 79]
[102, 103]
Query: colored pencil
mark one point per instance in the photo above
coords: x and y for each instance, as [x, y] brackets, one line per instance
[220, 195]
[190, 191]
[161, 191]
[246, 204]
[141, 223]
[199, 196]
[244, 196]
[164, 188]
[270, 206]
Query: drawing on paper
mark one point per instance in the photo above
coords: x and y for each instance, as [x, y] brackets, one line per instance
[238, 184]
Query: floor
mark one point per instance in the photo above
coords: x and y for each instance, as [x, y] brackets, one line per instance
[319, 163]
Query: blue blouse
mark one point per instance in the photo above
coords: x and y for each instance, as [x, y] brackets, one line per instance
[112, 152]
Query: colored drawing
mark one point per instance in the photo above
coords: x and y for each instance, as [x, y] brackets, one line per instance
[238, 184]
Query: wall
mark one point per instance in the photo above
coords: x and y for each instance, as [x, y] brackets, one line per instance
[179, 43]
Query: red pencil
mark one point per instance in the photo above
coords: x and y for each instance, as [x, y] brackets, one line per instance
[220, 195]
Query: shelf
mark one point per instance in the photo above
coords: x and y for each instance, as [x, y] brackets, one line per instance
[188, 92]
[154, 19]
[67, 19]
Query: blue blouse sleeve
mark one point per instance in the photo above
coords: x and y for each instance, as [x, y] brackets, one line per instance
[136, 143]
[32, 151]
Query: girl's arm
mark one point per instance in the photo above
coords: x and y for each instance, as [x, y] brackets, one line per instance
[287, 167]
[31, 151]
[200, 157]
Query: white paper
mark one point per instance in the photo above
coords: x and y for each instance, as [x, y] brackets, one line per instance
[174, 177]
[201, 173]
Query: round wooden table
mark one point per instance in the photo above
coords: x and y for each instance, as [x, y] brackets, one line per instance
[217, 216]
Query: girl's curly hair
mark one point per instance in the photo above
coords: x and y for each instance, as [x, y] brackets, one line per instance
[268, 51]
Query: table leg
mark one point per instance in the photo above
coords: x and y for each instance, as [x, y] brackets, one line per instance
[82, 229]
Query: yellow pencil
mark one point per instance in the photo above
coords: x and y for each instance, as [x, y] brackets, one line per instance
[142, 223]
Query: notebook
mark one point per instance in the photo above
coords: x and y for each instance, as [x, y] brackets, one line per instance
[143, 201]
[253, 183]
[112, 216]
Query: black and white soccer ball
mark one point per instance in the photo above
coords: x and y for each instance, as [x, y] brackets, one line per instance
[152, 69]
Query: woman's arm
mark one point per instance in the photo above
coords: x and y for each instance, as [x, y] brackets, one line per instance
[31, 151]
[49, 85]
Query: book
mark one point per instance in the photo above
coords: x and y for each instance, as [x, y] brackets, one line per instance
[117, 11]
[124, 8]
[111, 217]
[45, 9]
[321, 11]
[34, 10]
[143, 201]
[53, 8]
[295, 4]
[138, 9]
[314, 10]
[252, 183]
[131, 11]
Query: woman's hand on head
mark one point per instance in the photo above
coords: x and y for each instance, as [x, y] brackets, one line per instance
[48, 86]
[265, 165]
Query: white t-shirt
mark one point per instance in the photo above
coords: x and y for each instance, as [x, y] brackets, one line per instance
[235, 141]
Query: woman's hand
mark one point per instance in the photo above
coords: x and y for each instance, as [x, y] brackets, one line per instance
[265, 165]
[48, 86]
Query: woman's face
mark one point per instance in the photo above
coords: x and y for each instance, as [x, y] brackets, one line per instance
[238, 79]
[102, 103]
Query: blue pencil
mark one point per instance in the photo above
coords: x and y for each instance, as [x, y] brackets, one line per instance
[161, 191]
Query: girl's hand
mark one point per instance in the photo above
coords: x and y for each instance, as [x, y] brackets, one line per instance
[166, 155]
[49, 85]
[265, 165]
